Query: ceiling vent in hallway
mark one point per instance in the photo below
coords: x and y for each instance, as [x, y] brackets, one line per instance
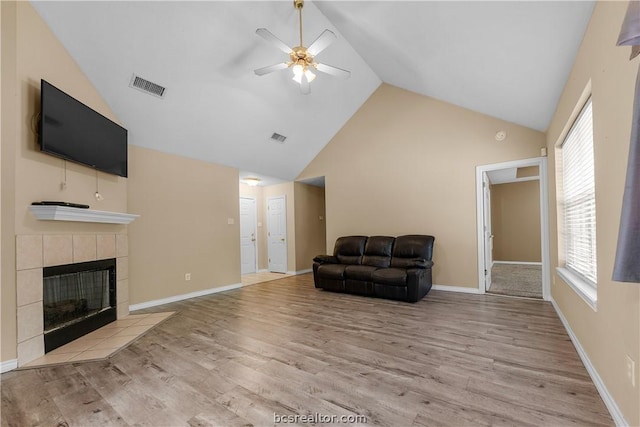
[146, 86]
[280, 139]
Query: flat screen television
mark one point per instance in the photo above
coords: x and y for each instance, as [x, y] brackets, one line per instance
[71, 130]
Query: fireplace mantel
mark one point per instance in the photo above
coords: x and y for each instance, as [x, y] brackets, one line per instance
[66, 213]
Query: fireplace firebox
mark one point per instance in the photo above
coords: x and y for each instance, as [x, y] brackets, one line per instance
[78, 299]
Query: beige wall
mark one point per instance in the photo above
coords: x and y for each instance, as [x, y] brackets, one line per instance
[185, 205]
[38, 176]
[286, 190]
[256, 193]
[515, 221]
[405, 163]
[30, 52]
[311, 236]
[613, 331]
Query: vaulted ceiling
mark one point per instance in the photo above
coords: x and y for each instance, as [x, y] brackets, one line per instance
[506, 59]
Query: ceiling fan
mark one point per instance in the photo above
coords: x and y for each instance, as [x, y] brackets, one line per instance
[302, 58]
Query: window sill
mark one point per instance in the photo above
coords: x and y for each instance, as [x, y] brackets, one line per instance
[587, 292]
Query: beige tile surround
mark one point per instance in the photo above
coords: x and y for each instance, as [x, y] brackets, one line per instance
[33, 252]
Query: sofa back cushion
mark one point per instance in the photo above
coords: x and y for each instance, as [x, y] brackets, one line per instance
[349, 249]
[377, 251]
[408, 249]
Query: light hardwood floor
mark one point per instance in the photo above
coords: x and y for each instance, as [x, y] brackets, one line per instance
[284, 347]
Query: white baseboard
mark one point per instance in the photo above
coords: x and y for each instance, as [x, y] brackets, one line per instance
[295, 273]
[455, 289]
[8, 365]
[264, 270]
[611, 404]
[182, 297]
[517, 262]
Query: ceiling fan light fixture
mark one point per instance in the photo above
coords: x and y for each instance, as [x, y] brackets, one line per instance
[298, 70]
[310, 75]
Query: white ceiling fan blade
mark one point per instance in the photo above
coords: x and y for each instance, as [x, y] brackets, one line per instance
[325, 39]
[271, 68]
[334, 71]
[268, 36]
[305, 87]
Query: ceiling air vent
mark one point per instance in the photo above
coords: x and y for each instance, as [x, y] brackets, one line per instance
[146, 86]
[278, 138]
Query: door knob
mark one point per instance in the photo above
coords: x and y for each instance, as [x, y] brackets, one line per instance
[253, 240]
[282, 239]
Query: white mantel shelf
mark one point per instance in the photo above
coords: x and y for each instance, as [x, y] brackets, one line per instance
[66, 213]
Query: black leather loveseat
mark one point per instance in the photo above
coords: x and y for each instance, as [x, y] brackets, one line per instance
[387, 267]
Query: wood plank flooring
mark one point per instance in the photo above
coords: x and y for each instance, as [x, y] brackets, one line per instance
[284, 347]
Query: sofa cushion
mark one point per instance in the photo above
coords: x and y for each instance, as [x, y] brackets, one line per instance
[359, 272]
[377, 251]
[408, 250]
[390, 277]
[349, 249]
[332, 271]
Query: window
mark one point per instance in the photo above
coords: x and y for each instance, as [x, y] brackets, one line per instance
[579, 204]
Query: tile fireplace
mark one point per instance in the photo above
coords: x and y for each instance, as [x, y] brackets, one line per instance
[39, 255]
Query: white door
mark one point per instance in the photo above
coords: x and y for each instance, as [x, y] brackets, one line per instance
[248, 235]
[277, 234]
[488, 237]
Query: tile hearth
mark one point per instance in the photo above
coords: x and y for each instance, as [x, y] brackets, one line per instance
[102, 342]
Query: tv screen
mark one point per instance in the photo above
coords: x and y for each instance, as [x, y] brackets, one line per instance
[71, 130]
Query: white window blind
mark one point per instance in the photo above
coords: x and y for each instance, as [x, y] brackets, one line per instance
[580, 197]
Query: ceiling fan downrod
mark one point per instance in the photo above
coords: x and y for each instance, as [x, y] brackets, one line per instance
[299, 4]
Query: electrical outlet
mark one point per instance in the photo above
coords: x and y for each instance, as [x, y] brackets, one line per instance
[187, 276]
[231, 221]
[631, 371]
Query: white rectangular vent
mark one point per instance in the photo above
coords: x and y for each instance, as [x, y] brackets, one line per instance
[146, 86]
[278, 138]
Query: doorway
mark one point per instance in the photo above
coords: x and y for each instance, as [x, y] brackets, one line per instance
[277, 234]
[512, 219]
[248, 236]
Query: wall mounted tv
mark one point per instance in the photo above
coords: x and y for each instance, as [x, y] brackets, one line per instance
[71, 130]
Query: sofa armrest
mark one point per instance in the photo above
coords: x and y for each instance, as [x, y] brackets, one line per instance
[326, 259]
[419, 263]
[418, 283]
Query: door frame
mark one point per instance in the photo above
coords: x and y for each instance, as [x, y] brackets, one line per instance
[541, 162]
[255, 227]
[286, 232]
[487, 232]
